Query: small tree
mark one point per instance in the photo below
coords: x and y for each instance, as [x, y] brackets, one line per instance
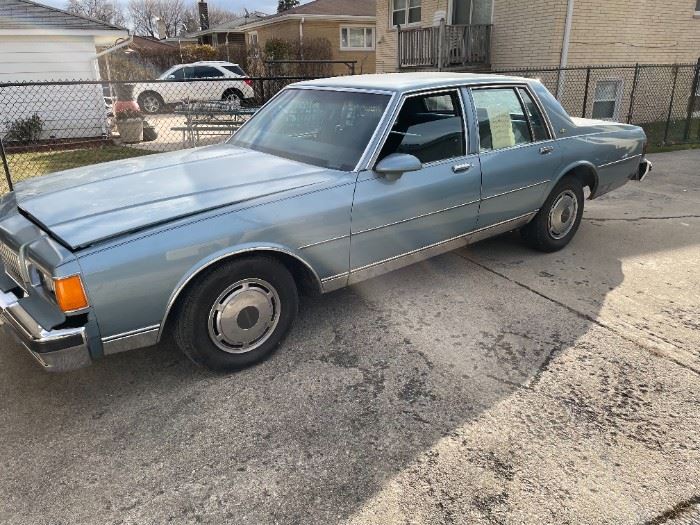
[286, 5]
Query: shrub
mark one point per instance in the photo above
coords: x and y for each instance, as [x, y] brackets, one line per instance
[128, 114]
[25, 129]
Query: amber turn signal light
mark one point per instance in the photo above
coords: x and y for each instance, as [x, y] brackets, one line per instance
[70, 294]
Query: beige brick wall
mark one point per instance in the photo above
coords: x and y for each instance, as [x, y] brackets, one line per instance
[529, 33]
[646, 31]
[289, 30]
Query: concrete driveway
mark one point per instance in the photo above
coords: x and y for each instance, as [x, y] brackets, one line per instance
[490, 385]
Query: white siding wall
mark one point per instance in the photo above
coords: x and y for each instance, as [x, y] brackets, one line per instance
[67, 111]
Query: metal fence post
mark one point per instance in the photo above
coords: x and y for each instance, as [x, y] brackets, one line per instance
[585, 93]
[670, 106]
[691, 101]
[6, 166]
[633, 92]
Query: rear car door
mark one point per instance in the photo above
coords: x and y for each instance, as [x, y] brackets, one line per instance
[518, 154]
[405, 217]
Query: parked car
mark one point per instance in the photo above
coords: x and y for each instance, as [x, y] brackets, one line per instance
[196, 82]
[332, 182]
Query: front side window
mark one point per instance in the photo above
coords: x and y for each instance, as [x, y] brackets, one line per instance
[606, 98]
[430, 127]
[405, 12]
[177, 74]
[325, 128]
[356, 38]
[502, 119]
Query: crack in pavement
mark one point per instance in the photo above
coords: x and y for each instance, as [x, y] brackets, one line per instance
[605, 219]
[650, 349]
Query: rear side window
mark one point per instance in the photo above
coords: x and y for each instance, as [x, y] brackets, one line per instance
[207, 72]
[430, 127]
[502, 119]
[539, 128]
[236, 70]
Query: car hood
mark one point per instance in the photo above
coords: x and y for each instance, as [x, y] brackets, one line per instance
[86, 205]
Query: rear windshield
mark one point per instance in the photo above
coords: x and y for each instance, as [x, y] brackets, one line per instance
[325, 128]
[236, 70]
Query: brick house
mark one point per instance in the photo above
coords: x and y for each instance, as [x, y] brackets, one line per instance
[533, 33]
[349, 26]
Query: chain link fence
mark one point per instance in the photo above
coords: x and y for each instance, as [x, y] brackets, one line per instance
[53, 126]
[661, 98]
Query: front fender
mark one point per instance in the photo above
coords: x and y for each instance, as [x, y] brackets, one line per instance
[241, 249]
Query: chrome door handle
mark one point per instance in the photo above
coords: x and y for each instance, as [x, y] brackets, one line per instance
[457, 168]
[545, 150]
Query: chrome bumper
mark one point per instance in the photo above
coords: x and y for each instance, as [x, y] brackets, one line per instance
[56, 350]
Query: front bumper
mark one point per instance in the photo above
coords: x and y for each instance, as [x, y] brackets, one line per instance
[57, 350]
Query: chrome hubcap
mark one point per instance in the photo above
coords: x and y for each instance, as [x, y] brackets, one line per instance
[151, 104]
[562, 215]
[244, 316]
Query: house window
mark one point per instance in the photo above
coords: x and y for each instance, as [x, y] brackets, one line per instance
[253, 39]
[405, 12]
[697, 7]
[356, 38]
[606, 99]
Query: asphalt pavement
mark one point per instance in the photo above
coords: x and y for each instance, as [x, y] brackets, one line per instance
[490, 385]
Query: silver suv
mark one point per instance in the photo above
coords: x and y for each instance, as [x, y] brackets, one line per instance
[152, 96]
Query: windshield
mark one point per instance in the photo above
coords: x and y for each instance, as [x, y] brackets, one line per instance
[330, 129]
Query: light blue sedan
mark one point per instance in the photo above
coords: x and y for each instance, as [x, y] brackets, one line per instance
[334, 181]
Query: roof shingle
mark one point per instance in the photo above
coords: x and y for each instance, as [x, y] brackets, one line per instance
[25, 14]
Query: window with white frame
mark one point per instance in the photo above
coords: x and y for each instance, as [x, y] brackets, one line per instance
[356, 38]
[606, 99]
[253, 38]
[404, 12]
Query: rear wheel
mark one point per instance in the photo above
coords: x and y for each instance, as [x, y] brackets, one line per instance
[559, 218]
[232, 96]
[150, 102]
[237, 314]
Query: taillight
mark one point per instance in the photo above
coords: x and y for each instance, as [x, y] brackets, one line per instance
[248, 81]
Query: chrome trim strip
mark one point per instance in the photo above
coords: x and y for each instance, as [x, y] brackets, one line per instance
[342, 88]
[335, 282]
[199, 269]
[399, 261]
[416, 217]
[513, 191]
[618, 161]
[132, 340]
[341, 237]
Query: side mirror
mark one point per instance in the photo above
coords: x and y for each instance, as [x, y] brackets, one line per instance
[171, 77]
[397, 164]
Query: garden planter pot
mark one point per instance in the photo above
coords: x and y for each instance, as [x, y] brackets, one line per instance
[130, 130]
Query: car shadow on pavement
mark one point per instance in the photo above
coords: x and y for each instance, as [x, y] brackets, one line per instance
[370, 378]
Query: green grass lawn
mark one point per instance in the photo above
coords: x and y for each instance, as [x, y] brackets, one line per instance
[33, 164]
[676, 135]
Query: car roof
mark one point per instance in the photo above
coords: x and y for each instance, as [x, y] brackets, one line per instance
[400, 82]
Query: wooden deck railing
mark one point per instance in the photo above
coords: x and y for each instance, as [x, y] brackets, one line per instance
[444, 46]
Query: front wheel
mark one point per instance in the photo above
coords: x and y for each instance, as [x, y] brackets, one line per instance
[559, 218]
[237, 314]
[150, 102]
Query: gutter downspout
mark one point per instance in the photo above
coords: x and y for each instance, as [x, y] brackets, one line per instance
[565, 48]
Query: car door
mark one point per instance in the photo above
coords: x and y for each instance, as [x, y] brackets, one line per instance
[205, 87]
[399, 219]
[178, 90]
[517, 153]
